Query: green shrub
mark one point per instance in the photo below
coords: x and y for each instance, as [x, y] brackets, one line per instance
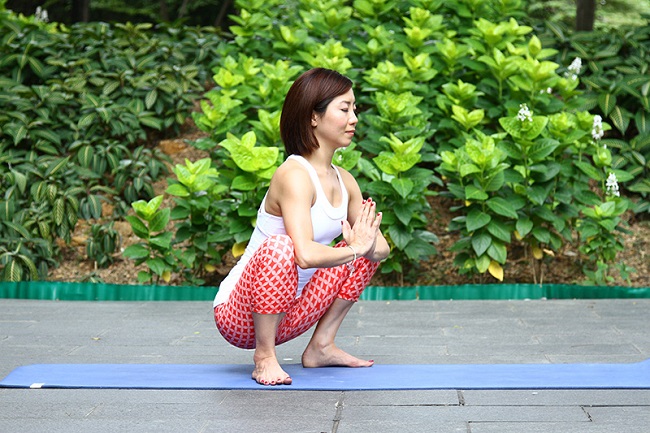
[81, 106]
[457, 98]
[102, 243]
[150, 224]
[614, 71]
[440, 86]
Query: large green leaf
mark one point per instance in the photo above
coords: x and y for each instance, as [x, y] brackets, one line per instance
[157, 266]
[642, 121]
[86, 120]
[620, 119]
[56, 165]
[476, 219]
[531, 130]
[590, 170]
[18, 228]
[177, 190]
[498, 252]
[399, 235]
[162, 240]
[404, 214]
[537, 194]
[20, 179]
[503, 207]
[85, 156]
[135, 252]
[47, 134]
[473, 193]
[36, 66]
[606, 102]
[58, 210]
[146, 210]
[13, 271]
[95, 206]
[541, 234]
[245, 182]
[542, 148]
[148, 119]
[481, 243]
[495, 181]
[159, 220]
[17, 131]
[419, 248]
[7, 209]
[31, 267]
[499, 230]
[138, 227]
[151, 98]
[248, 157]
[393, 164]
[403, 186]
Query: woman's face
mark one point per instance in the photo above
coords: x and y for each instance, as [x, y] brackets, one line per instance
[337, 125]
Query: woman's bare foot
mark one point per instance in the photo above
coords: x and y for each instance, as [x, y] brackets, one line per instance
[268, 372]
[331, 356]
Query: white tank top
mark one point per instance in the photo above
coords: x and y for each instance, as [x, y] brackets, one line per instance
[326, 225]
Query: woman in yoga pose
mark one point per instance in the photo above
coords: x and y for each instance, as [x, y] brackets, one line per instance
[290, 277]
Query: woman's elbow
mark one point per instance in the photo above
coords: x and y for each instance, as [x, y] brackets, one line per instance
[381, 252]
[303, 261]
[385, 253]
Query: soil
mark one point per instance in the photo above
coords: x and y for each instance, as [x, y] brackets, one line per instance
[564, 268]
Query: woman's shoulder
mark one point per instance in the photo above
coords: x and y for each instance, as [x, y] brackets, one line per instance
[291, 168]
[290, 183]
[290, 174]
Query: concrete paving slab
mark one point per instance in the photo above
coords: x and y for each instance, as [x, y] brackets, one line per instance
[619, 414]
[396, 332]
[547, 427]
[527, 397]
[445, 397]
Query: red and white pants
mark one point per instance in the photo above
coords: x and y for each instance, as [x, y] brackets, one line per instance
[269, 284]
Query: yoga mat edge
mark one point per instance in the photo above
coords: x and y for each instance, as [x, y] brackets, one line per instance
[378, 377]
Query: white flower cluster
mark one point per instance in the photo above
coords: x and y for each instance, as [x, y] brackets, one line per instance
[597, 129]
[41, 15]
[524, 113]
[612, 185]
[574, 68]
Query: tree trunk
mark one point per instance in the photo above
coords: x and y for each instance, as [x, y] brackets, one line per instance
[222, 13]
[183, 9]
[80, 11]
[585, 15]
[164, 11]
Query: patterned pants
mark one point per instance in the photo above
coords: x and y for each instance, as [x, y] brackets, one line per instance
[269, 285]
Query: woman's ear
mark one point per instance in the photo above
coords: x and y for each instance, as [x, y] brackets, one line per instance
[314, 120]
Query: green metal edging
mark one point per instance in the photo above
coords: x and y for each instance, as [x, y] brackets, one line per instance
[117, 292]
[62, 291]
[502, 291]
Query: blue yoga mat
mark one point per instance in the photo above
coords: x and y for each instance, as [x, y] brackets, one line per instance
[378, 377]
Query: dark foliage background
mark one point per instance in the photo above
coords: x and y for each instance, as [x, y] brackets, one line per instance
[191, 12]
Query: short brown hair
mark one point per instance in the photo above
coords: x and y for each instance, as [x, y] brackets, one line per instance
[311, 92]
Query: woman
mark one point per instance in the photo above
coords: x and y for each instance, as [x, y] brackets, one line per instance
[289, 277]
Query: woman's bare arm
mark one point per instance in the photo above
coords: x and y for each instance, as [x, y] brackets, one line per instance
[291, 196]
[379, 249]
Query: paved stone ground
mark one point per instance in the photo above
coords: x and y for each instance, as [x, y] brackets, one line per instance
[399, 332]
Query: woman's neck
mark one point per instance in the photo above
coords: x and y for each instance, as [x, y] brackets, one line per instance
[321, 161]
